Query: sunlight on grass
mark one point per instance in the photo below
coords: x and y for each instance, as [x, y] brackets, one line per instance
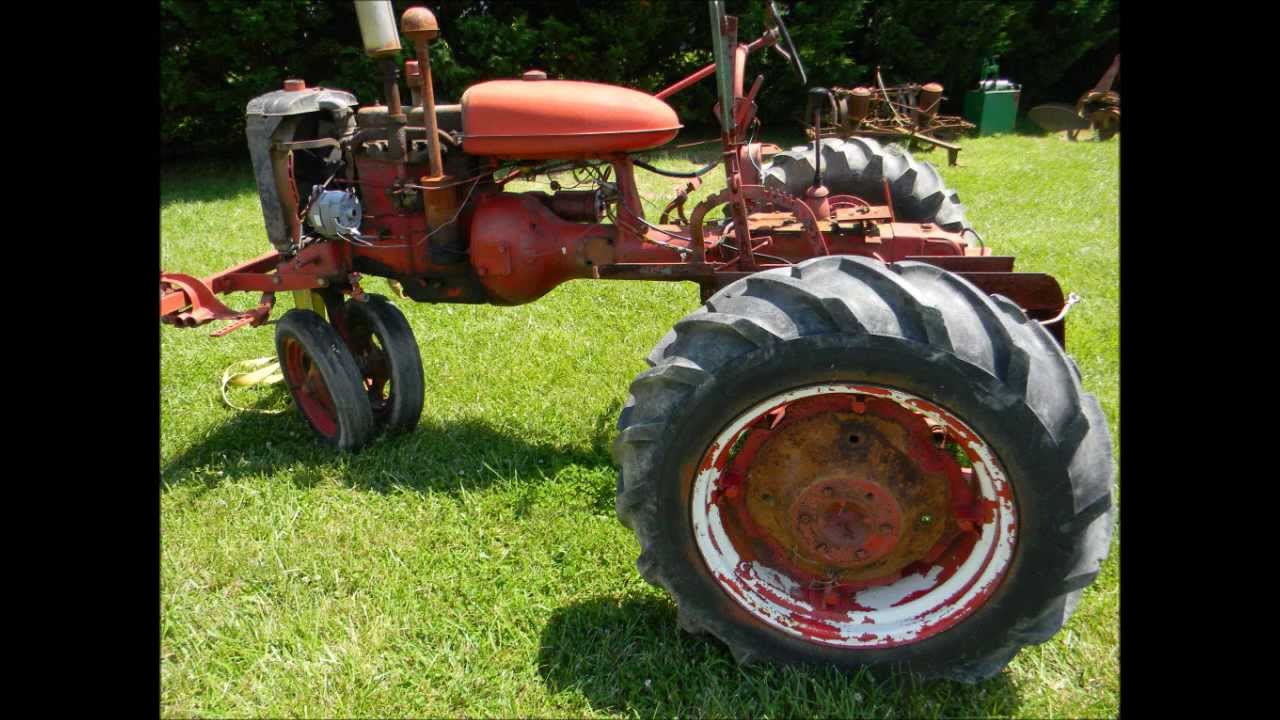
[475, 566]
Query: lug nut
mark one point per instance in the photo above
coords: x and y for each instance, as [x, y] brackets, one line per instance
[926, 519]
[861, 554]
[828, 491]
[886, 528]
[805, 518]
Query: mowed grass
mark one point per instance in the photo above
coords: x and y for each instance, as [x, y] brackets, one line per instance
[475, 566]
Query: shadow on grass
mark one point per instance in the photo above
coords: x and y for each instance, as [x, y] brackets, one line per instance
[465, 455]
[628, 657]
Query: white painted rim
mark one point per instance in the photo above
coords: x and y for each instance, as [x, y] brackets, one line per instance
[770, 595]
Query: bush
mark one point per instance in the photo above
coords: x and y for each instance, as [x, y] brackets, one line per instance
[215, 55]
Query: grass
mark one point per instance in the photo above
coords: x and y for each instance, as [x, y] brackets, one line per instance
[474, 566]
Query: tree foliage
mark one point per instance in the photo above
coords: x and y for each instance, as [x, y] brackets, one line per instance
[215, 55]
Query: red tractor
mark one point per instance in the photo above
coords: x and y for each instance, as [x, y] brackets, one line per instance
[866, 448]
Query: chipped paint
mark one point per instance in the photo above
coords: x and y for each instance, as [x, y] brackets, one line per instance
[887, 596]
[916, 606]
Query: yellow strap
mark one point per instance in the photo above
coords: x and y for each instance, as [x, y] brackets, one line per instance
[258, 371]
[266, 370]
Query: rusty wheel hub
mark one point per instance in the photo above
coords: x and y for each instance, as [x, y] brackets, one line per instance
[845, 522]
[846, 480]
[841, 508]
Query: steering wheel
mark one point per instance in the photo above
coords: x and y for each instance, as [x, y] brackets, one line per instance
[790, 53]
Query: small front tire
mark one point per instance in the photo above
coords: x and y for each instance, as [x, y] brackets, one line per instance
[390, 364]
[323, 380]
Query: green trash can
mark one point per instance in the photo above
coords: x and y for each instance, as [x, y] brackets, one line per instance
[993, 106]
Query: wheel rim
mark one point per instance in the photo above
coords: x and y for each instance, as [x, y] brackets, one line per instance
[375, 368]
[845, 515]
[309, 389]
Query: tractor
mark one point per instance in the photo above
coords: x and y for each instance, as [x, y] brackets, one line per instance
[866, 448]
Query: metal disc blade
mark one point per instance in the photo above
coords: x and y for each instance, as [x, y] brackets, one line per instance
[1056, 117]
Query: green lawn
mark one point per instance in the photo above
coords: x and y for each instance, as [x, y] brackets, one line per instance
[475, 566]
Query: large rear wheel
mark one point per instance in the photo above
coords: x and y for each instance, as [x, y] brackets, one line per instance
[861, 166]
[853, 464]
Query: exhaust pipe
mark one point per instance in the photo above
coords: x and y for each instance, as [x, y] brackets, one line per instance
[382, 43]
[377, 28]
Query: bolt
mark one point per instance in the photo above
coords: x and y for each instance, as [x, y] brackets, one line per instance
[926, 519]
[859, 404]
[822, 547]
[862, 554]
[886, 528]
[806, 518]
[828, 491]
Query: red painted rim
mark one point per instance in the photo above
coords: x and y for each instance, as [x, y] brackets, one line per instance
[857, 516]
[308, 388]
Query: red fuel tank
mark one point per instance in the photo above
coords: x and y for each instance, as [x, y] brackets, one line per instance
[552, 119]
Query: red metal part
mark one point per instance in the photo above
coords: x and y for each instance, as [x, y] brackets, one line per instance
[188, 290]
[826, 490]
[562, 119]
[304, 380]
[840, 492]
[520, 249]
[188, 301]
[179, 292]
[766, 40]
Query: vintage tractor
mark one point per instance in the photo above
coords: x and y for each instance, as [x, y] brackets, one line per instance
[867, 446]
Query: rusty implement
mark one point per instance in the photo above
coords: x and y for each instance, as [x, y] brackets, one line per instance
[907, 113]
[1057, 117]
[1098, 108]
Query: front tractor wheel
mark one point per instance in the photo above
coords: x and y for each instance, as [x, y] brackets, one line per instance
[387, 354]
[323, 379]
[853, 464]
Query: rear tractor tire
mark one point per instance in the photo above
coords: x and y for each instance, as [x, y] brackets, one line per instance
[860, 166]
[853, 464]
[323, 379]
